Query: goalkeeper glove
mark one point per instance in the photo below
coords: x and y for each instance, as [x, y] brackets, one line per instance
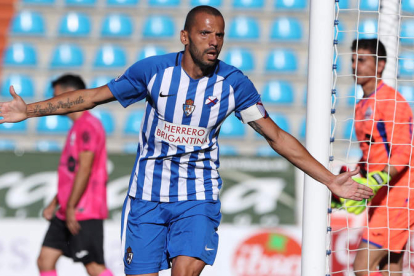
[375, 181]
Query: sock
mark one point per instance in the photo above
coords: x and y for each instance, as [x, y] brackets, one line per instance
[48, 273]
[106, 272]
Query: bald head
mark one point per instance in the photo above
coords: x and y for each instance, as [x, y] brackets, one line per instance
[189, 21]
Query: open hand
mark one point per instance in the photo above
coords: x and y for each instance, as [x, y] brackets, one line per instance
[71, 222]
[13, 111]
[344, 187]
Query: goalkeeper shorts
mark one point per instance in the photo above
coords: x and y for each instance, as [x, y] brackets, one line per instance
[390, 220]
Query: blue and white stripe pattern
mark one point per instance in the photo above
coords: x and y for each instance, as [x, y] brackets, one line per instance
[177, 156]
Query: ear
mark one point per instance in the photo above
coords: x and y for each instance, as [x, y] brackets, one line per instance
[380, 67]
[184, 37]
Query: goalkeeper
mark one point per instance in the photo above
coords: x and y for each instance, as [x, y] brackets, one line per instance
[383, 126]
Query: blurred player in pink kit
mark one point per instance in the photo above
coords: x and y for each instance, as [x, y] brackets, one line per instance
[76, 230]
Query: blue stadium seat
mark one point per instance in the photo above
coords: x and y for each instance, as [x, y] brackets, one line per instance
[266, 151]
[248, 4]
[85, 3]
[67, 56]
[48, 89]
[53, 125]
[28, 23]
[407, 92]
[23, 85]
[38, 2]
[241, 58]
[406, 64]
[286, 29]
[19, 127]
[407, 6]
[278, 92]
[133, 122]
[369, 5]
[291, 4]
[75, 24]
[343, 4]
[244, 28]
[280, 119]
[20, 54]
[117, 25]
[228, 150]
[368, 29]
[407, 32]
[281, 61]
[213, 3]
[164, 3]
[159, 27]
[131, 148]
[348, 128]
[48, 146]
[149, 51]
[122, 3]
[110, 56]
[100, 81]
[232, 128]
[106, 118]
[355, 94]
[7, 145]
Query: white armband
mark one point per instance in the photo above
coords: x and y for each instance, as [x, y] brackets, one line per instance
[253, 113]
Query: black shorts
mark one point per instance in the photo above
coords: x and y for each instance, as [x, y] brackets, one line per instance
[85, 247]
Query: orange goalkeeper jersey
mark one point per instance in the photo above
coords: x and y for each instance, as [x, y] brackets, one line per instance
[383, 126]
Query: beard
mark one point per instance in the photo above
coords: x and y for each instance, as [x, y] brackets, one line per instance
[197, 57]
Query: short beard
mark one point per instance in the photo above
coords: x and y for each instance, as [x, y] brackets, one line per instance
[196, 55]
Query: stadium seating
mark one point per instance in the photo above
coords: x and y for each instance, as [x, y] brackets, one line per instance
[291, 4]
[407, 6]
[281, 61]
[23, 85]
[110, 56]
[227, 150]
[28, 23]
[38, 2]
[266, 151]
[133, 122]
[348, 128]
[286, 29]
[407, 92]
[278, 92]
[150, 50]
[248, 4]
[407, 32]
[354, 96]
[106, 118]
[74, 24]
[122, 3]
[164, 3]
[213, 3]
[368, 28]
[343, 4]
[19, 127]
[48, 146]
[99, 81]
[7, 145]
[241, 58]
[20, 54]
[368, 5]
[53, 125]
[67, 56]
[280, 119]
[158, 26]
[117, 25]
[406, 64]
[244, 28]
[232, 128]
[84, 3]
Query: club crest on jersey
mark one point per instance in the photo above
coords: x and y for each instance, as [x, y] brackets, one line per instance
[129, 255]
[211, 101]
[188, 107]
[368, 113]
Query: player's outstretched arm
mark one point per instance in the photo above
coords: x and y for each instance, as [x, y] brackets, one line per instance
[289, 147]
[17, 110]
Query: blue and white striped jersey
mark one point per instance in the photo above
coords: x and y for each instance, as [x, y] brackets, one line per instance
[177, 156]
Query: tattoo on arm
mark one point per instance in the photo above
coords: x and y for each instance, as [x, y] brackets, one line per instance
[51, 108]
[258, 129]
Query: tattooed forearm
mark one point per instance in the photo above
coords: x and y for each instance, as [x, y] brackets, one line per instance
[52, 108]
[258, 128]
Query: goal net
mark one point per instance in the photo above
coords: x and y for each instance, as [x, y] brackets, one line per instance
[392, 22]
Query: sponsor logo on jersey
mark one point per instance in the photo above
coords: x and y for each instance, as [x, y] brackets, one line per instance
[166, 95]
[129, 255]
[368, 113]
[71, 164]
[208, 249]
[181, 135]
[188, 107]
[211, 101]
[268, 254]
